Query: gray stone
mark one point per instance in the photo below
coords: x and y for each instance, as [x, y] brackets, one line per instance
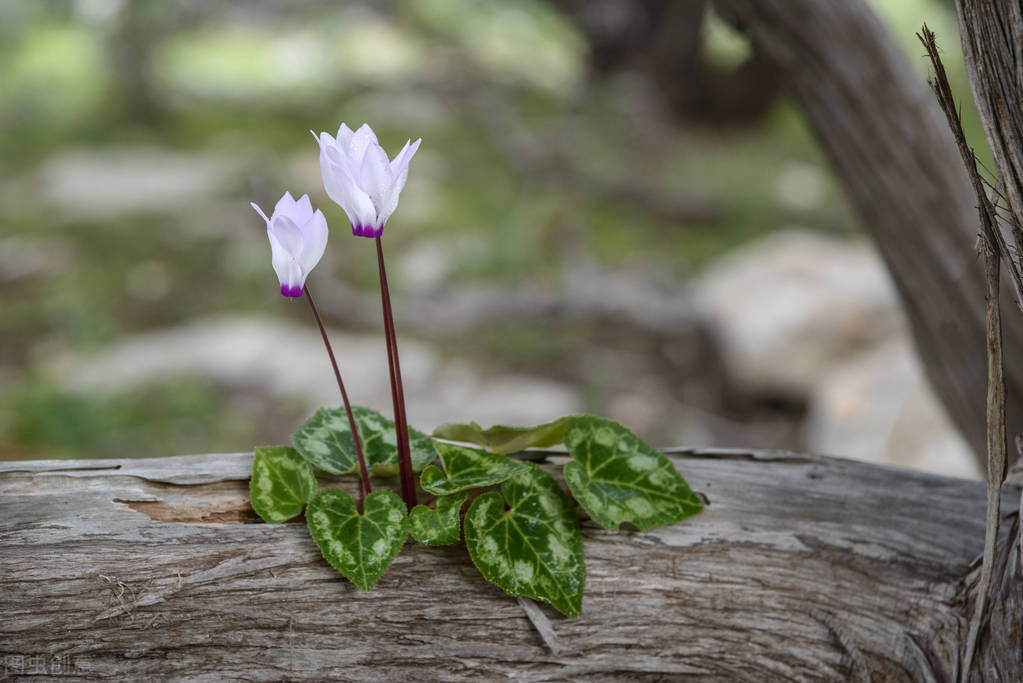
[817, 318]
[791, 306]
[879, 407]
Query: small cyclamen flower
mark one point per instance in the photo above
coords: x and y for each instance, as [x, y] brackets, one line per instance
[359, 178]
[298, 237]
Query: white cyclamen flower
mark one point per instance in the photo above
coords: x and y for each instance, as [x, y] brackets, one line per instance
[359, 178]
[298, 236]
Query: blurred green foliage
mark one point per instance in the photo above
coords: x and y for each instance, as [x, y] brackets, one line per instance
[185, 416]
[247, 89]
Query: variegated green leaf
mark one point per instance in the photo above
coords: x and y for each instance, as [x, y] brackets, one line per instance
[506, 439]
[282, 483]
[532, 548]
[326, 441]
[441, 526]
[618, 478]
[467, 468]
[361, 547]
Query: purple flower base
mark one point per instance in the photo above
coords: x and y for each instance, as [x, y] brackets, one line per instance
[291, 290]
[360, 230]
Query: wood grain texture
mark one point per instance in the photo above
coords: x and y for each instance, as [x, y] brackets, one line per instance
[801, 567]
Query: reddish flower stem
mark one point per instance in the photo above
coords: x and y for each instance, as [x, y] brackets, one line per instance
[408, 482]
[366, 487]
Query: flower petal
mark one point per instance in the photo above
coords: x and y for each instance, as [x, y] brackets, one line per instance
[293, 279]
[402, 158]
[288, 236]
[342, 188]
[286, 267]
[260, 212]
[285, 205]
[361, 140]
[375, 176]
[303, 211]
[315, 236]
[399, 166]
[337, 180]
[344, 137]
[365, 210]
[390, 200]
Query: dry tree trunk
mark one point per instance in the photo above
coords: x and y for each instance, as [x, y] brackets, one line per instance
[992, 37]
[800, 568]
[885, 136]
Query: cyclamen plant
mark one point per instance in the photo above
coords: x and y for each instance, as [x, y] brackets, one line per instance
[522, 530]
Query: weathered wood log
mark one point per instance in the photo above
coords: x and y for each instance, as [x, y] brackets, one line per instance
[801, 567]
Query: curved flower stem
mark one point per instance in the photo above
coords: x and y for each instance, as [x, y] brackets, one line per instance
[408, 482]
[366, 487]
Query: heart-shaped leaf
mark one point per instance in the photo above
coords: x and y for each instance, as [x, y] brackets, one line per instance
[282, 483]
[467, 468]
[326, 441]
[618, 478]
[506, 439]
[534, 548]
[361, 547]
[440, 526]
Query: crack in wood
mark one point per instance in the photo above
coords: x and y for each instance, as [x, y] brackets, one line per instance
[160, 511]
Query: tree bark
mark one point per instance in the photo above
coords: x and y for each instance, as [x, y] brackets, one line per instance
[800, 568]
[992, 37]
[885, 136]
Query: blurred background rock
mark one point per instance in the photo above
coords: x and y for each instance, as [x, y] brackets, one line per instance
[588, 226]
